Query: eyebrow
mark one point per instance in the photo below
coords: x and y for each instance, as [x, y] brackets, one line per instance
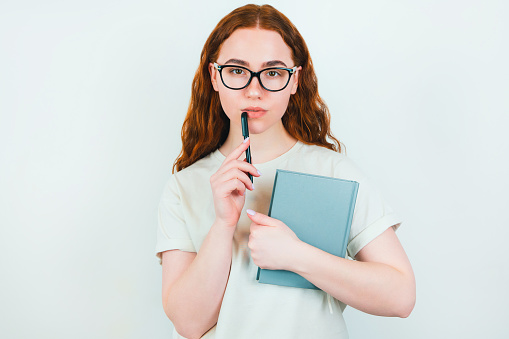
[265, 64]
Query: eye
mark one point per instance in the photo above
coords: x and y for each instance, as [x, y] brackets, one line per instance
[273, 73]
[237, 71]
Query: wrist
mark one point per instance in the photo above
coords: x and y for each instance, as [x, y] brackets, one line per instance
[297, 258]
[223, 227]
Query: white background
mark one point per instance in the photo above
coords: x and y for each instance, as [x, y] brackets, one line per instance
[92, 98]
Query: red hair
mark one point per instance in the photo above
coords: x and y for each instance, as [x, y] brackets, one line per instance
[206, 126]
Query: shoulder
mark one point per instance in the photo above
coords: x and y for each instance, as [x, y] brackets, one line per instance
[200, 170]
[192, 177]
[319, 151]
[340, 165]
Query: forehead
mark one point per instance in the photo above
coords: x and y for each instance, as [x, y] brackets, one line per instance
[255, 46]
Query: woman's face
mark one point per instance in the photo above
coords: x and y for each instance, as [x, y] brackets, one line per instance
[254, 49]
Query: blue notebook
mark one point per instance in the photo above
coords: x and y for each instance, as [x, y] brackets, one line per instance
[318, 209]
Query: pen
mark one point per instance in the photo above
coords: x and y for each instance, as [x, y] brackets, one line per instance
[245, 134]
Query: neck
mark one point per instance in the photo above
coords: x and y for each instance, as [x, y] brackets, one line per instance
[265, 146]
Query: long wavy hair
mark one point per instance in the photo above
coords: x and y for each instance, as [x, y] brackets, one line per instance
[206, 126]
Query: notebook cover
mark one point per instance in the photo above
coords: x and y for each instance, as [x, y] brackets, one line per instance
[318, 209]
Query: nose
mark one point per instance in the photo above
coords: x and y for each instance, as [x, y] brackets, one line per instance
[254, 89]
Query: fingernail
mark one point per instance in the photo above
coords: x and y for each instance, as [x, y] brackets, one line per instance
[260, 173]
[250, 212]
[245, 140]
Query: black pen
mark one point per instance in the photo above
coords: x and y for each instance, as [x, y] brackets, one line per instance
[245, 134]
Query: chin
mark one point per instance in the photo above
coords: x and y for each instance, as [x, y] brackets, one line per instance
[258, 127]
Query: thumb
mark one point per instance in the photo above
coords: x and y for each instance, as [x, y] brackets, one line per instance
[260, 218]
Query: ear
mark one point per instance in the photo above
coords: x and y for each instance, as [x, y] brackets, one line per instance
[213, 76]
[295, 80]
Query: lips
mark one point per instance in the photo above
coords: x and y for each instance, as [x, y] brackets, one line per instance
[254, 112]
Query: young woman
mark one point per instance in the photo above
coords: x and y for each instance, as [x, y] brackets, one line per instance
[213, 229]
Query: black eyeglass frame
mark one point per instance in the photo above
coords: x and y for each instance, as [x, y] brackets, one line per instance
[254, 74]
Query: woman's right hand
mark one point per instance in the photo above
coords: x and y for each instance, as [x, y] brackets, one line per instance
[229, 185]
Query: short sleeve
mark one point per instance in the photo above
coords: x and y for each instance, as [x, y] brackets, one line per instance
[372, 216]
[172, 232]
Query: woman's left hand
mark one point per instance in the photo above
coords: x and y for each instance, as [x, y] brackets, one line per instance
[273, 245]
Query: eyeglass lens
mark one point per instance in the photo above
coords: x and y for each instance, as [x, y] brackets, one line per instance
[272, 78]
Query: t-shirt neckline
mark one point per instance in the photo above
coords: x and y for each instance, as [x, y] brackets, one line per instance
[218, 155]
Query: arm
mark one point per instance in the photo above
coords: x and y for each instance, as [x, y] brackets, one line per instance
[194, 283]
[381, 282]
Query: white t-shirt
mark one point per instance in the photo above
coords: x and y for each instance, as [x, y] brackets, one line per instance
[251, 309]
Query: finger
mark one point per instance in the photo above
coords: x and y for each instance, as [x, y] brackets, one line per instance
[241, 188]
[235, 173]
[234, 184]
[243, 166]
[222, 183]
[261, 219]
[237, 152]
[253, 227]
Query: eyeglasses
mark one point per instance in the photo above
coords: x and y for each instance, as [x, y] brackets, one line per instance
[273, 79]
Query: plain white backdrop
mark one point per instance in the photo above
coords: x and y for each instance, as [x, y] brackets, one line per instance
[92, 98]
